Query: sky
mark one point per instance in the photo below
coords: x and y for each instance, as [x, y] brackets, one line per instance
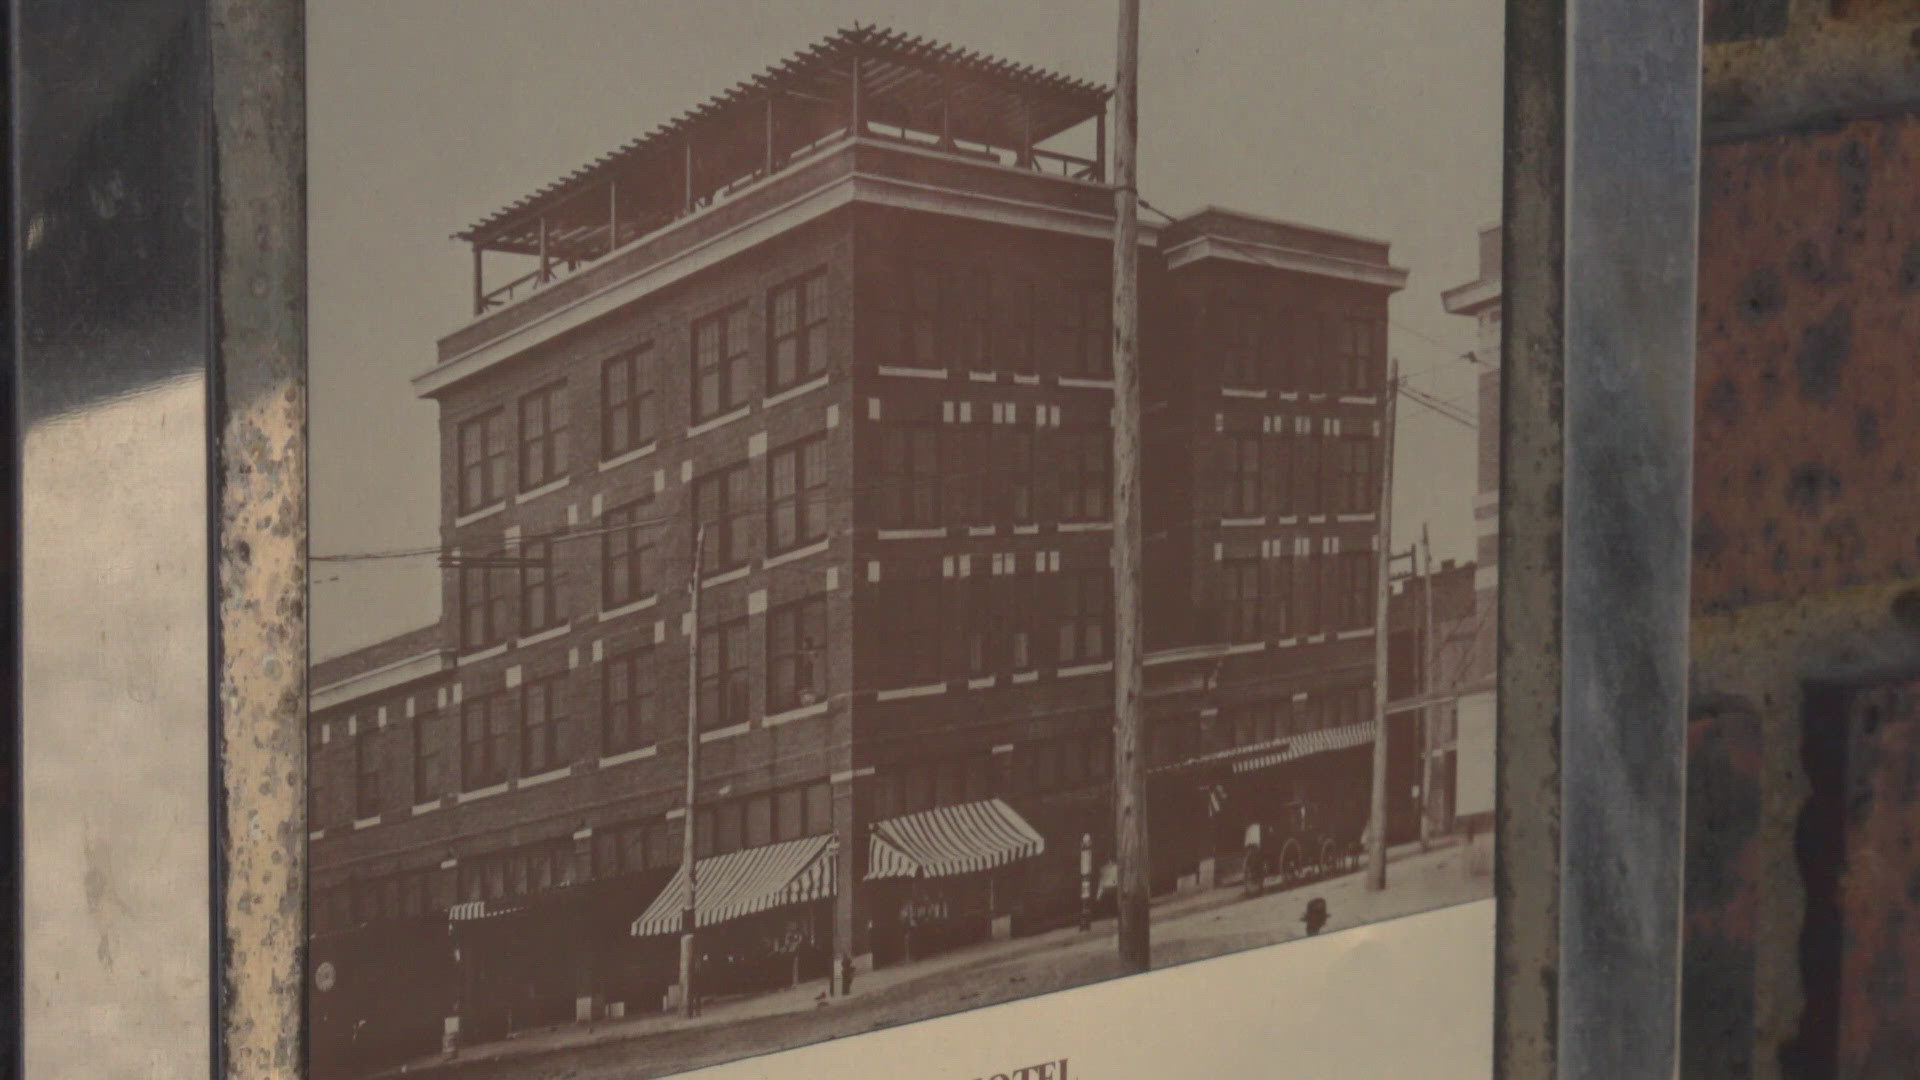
[1378, 117]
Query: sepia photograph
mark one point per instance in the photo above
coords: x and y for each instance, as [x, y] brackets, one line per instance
[830, 515]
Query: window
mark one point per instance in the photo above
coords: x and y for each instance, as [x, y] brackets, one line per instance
[909, 466]
[1013, 468]
[1240, 602]
[1240, 475]
[543, 436]
[543, 727]
[1307, 596]
[487, 741]
[1354, 458]
[429, 767]
[1015, 611]
[923, 315]
[626, 556]
[485, 593]
[1362, 344]
[729, 827]
[666, 844]
[1086, 598]
[722, 505]
[627, 718]
[1307, 480]
[627, 419]
[906, 648]
[759, 824]
[1278, 471]
[1085, 318]
[1356, 585]
[796, 654]
[797, 477]
[1240, 352]
[724, 678]
[1280, 597]
[720, 363]
[366, 775]
[979, 646]
[483, 461]
[539, 600]
[1086, 481]
[790, 814]
[1013, 326]
[797, 331]
[968, 474]
[964, 317]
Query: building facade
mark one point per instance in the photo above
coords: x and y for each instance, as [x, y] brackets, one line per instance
[797, 423]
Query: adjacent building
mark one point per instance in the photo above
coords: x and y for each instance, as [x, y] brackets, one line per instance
[829, 358]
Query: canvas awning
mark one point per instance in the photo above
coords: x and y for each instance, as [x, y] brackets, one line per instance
[1313, 742]
[480, 909]
[744, 882]
[951, 840]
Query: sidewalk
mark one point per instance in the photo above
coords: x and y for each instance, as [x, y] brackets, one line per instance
[812, 995]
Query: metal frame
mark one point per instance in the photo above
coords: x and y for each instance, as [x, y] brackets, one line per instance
[1602, 148]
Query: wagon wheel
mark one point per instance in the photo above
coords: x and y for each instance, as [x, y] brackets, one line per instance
[1290, 863]
[1329, 856]
[1252, 875]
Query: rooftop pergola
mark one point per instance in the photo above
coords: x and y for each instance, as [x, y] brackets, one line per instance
[864, 82]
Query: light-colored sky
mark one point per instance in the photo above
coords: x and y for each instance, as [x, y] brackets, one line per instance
[1380, 117]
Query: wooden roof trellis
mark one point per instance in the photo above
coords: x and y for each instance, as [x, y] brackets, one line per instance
[903, 81]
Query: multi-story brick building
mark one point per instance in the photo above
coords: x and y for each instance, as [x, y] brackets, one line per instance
[848, 324]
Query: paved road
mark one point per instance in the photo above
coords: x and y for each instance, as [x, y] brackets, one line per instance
[988, 975]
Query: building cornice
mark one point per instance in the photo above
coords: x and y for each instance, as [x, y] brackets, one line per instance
[1253, 253]
[386, 677]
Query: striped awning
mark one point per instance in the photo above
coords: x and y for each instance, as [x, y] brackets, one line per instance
[1313, 742]
[744, 882]
[480, 909]
[951, 840]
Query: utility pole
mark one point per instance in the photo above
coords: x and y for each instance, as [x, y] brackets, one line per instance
[688, 916]
[1428, 656]
[1130, 766]
[1377, 827]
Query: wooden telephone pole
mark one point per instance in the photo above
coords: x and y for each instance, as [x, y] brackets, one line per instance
[1130, 766]
[688, 916]
[1377, 819]
[1429, 658]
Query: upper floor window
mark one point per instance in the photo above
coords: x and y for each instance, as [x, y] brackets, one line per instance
[725, 680]
[486, 755]
[1086, 474]
[543, 436]
[429, 758]
[627, 420]
[627, 718]
[909, 489]
[366, 775]
[1013, 319]
[796, 654]
[483, 460]
[722, 502]
[1240, 606]
[720, 379]
[539, 597]
[1240, 475]
[1085, 315]
[626, 556]
[1354, 459]
[485, 595]
[910, 632]
[1013, 472]
[1362, 349]
[1241, 353]
[797, 479]
[797, 328]
[1356, 603]
[1086, 609]
[543, 725]
[969, 476]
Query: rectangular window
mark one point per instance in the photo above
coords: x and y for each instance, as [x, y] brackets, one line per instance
[909, 466]
[539, 597]
[1240, 604]
[723, 506]
[720, 363]
[729, 827]
[1240, 476]
[759, 825]
[543, 727]
[797, 331]
[1086, 609]
[543, 436]
[1278, 473]
[627, 420]
[1355, 459]
[666, 844]
[626, 556]
[797, 479]
[725, 682]
[1306, 593]
[1307, 479]
[1280, 597]
[366, 775]
[969, 474]
[1362, 344]
[796, 654]
[979, 647]
[1013, 472]
[483, 461]
[627, 722]
[906, 650]
[964, 317]
[790, 814]
[1358, 588]
[923, 316]
[1239, 342]
[1086, 318]
[486, 742]
[1086, 483]
[819, 809]
[1015, 609]
[485, 594]
[1013, 326]
[429, 767]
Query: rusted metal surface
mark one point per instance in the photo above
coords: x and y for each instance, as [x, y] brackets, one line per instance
[1723, 860]
[257, 49]
[1779, 63]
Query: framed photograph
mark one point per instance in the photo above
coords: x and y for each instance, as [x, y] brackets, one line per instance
[714, 464]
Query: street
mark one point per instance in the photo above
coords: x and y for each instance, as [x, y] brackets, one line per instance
[1185, 928]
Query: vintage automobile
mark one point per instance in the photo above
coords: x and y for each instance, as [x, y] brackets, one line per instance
[1298, 844]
